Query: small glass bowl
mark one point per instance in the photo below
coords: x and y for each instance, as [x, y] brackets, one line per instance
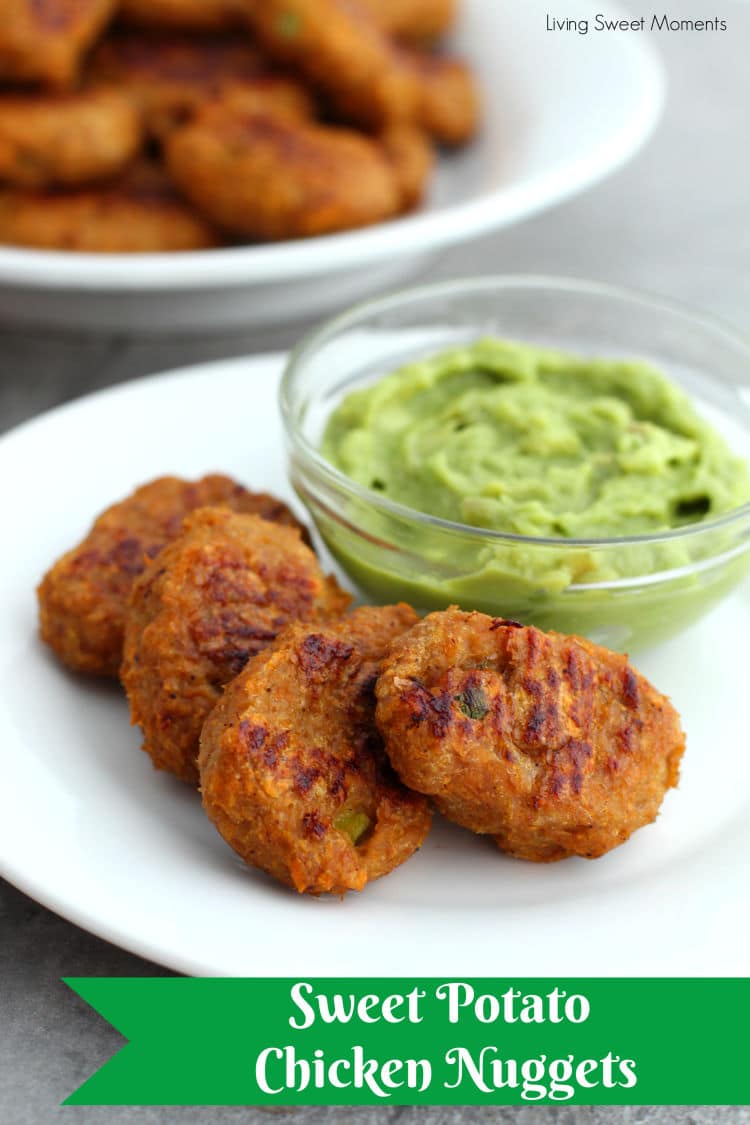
[647, 587]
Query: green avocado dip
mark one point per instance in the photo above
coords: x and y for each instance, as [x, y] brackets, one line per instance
[515, 439]
[512, 438]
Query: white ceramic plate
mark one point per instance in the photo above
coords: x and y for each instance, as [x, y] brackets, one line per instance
[90, 830]
[561, 112]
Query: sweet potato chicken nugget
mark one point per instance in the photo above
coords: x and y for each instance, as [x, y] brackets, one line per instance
[341, 50]
[83, 598]
[448, 100]
[268, 177]
[552, 745]
[210, 601]
[45, 40]
[415, 21]
[170, 77]
[138, 212]
[66, 139]
[412, 159]
[182, 15]
[293, 772]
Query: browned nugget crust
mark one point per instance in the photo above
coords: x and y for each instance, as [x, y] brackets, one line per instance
[45, 40]
[66, 139]
[368, 79]
[211, 600]
[170, 77]
[449, 104]
[269, 177]
[551, 744]
[83, 597]
[341, 50]
[293, 745]
[416, 21]
[182, 15]
[274, 94]
[140, 211]
[412, 159]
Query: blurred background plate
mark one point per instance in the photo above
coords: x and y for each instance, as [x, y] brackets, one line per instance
[558, 117]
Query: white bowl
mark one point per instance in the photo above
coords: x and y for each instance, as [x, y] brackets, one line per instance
[559, 115]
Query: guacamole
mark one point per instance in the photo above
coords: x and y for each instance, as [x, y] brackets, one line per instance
[551, 447]
[517, 439]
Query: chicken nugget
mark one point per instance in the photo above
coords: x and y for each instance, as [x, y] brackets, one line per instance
[449, 106]
[212, 599]
[293, 772]
[340, 49]
[83, 597]
[66, 139]
[139, 212]
[551, 744]
[268, 94]
[412, 159]
[368, 79]
[413, 21]
[182, 15]
[266, 176]
[170, 77]
[45, 40]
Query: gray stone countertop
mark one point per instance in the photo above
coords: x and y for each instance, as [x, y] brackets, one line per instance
[675, 221]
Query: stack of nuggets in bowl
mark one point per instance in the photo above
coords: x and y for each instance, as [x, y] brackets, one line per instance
[320, 736]
[161, 125]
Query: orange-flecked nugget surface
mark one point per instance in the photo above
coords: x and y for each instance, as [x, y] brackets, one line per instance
[293, 772]
[83, 598]
[418, 21]
[551, 744]
[140, 211]
[210, 601]
[182, 15]
[265, 176]
[448, 101]
[45, 40]
[412, 159]
[66, 139]
[342, 51]
[170, 77]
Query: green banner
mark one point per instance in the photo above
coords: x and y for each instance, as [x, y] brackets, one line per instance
[445, 1041]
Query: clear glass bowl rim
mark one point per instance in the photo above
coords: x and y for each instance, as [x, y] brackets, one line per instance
[310, 343]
